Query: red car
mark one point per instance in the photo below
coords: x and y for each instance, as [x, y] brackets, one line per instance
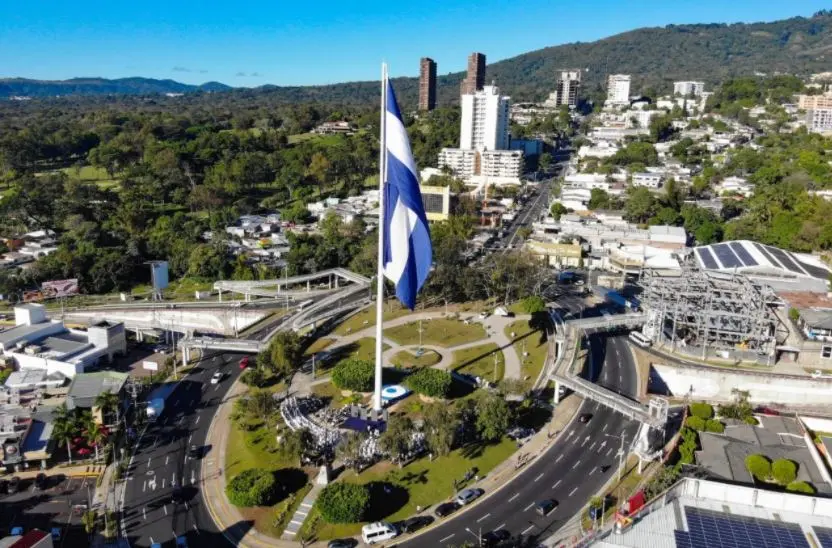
[244, 363]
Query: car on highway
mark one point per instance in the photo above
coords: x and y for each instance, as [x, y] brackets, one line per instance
[467, 496]
[586, 417]
[446, 509]
[216, 377]
[342, 543]
[494, 538]
[13, 486]
[545, 506]
[244, 362]
[178, 495]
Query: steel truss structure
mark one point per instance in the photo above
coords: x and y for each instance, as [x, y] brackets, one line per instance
[710, 309]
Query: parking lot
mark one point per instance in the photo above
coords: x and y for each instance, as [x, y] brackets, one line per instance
[58, 507]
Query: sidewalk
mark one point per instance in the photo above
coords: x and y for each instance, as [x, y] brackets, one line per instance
[300, 514]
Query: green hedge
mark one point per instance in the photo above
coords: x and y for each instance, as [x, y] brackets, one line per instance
[430, 382]
[702, 410]
[715, 426]
[343, 502]
[784, 471]
[534, 304]
[758, 466]
[353, 374]
[801, 487]
[252, 487]
[696, 423]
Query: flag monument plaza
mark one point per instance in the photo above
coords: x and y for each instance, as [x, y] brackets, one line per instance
[404, 248]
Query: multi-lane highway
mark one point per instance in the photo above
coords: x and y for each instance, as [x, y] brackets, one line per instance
[161, 461]
[571, 471]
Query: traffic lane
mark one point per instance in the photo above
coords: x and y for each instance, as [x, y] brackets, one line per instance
[163, 457]
[627, 366]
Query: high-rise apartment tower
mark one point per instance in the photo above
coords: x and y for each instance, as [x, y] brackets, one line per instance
[475, 79]
[566, 89]
[427, 84]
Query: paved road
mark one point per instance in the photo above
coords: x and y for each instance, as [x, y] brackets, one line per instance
[571, 471]
[161, 459]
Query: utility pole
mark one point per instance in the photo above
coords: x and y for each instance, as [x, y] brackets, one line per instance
[496, 358]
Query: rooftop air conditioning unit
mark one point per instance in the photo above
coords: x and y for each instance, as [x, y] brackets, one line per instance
[32, 349]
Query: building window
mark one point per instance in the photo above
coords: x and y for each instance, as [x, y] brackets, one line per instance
[826, 351]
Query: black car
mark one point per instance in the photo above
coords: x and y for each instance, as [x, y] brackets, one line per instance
[446, 509]
[40, 482]
[13, 486]
[585, 418]
[494, 538]
[342, 543]
[178, 496]
[545, 506]
[415, 523]
[194, 452]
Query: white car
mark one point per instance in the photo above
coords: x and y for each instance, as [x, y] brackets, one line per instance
[216, 378]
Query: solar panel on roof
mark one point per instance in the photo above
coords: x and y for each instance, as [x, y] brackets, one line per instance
[767, 255]
[726, 256]
[824, 535]
[743, 253]
[708, 528]
[706, 258]
[785, 260]
[814, 271]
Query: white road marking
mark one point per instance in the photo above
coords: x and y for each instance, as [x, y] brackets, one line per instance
[527, 507]
[610, 451]
[586, 439]
[166, 459]
[538, 477]
[605, 428]
[197, 530]
[144, 486]
[166, 509]
[193, 481]
[500, 526]
[593, 445]
[151, 540]
[190, 438]
[514, 497]
[163, 483]
[572, 492]
[484, 517]
[593, 470]
[442, 539]
[196, 421]
[620, 379]
[576, 440]
[529, 528]
[555, 486]
[217, 388]
[577, 462]
[144, 513]
[173, 479]
[148, 462]
[558, 459]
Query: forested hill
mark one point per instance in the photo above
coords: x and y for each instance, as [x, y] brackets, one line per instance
[654, 56]
[10, 87]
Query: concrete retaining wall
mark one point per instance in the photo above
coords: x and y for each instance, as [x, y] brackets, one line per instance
[717, 384]
[220, 321]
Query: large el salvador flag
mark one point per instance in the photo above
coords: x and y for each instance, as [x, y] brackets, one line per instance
[407, 249]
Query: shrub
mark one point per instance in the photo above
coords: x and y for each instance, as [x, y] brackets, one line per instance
[534, 304]
[801, 487]
[714, 425]
[702, 410]
[794, 315]
[751, 420]
[355, 375]
[252, 487]
[430, 382]
[784, 471]
[254, 377]
[758, 466]
[343, 502]
[696, 423]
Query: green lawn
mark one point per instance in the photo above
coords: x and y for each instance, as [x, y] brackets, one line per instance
[421, 483]
[92, 174]
[532, 341]
[437, 332]
[406, 358]
[317, 346]
[362, 349]
[479, 361]
[367, 318]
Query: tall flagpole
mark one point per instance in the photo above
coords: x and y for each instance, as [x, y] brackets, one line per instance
[382, 175]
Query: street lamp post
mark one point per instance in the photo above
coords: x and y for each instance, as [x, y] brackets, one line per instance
[479, 536]
[620, 454]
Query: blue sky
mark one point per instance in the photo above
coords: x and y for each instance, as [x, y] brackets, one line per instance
[290, 42]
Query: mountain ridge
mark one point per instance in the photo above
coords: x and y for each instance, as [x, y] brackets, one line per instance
[93, 85]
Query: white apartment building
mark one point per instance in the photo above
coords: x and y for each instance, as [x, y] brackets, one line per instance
[566, 89]
[649, 180]
[641, 118]
[485, 120]
[502, 163]
[819, 120]
[811, 102]
[735, 185]
[688, 88]
[618, 89]
[462, 163]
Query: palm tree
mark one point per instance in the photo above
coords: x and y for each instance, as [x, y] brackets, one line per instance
[93, 432]
[64, 427]
[107, 402]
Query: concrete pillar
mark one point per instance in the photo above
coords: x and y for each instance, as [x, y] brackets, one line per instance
[219, 294]
[337, 279]
[185, 356]
[330, 281]
[308, 286]
[558, 349]
[557, 393]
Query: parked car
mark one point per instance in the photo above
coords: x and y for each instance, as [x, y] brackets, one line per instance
[545, 506]
[244, 362]
[494, 538]
[446, 509]
[342, 543]
[216, 377]
[415, 523]
[467, 496]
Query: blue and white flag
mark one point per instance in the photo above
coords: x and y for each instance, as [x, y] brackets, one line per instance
[407, 249]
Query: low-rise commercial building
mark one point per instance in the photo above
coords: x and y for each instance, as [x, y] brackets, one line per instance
[649, 180]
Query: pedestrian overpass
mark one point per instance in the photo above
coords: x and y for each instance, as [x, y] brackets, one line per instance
[296, 287]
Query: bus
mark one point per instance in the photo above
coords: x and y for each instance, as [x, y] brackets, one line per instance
[640, 339]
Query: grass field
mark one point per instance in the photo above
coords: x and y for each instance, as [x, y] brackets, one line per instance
[317, 346]
[532, 341]
[421, 483]
[92, 174]
[367, 318]
[438, 332]
[479, 361]
[406, 358]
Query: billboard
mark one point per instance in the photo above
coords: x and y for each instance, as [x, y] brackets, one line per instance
[159, 275]
[150, 366]
[32, 296]
[59, 288]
